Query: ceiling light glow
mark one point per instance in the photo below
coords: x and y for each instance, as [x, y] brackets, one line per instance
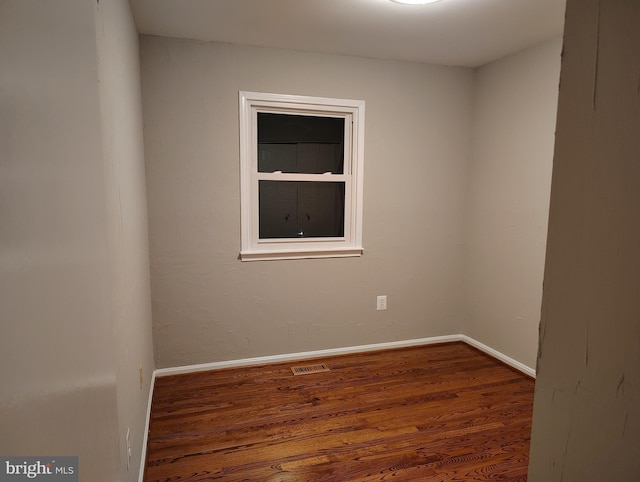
[415, 2]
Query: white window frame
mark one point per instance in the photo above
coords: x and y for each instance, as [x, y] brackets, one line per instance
[253, 248]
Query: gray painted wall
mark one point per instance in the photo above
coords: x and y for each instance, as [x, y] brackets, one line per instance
[127, 224]
[58, 377]
[587, 404]
[74, 283]
[457, 176]
[207, 305]
[514, 121]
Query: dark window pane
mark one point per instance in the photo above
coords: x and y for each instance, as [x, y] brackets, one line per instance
[305, 209]
[300, 144]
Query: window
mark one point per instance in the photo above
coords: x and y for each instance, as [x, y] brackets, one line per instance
[301, 176]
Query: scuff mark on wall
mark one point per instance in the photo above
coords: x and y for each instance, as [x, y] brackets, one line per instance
[542, 329]
[595, 70]
[560, 77]
[586, 346]
[620, 388]
[569, 430]
[564, 452]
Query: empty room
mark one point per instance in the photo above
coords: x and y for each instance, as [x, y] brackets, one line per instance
[319, 240]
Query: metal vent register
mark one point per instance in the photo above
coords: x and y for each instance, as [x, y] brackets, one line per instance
[308, 369]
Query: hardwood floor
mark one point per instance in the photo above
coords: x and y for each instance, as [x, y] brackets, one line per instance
[432, 413]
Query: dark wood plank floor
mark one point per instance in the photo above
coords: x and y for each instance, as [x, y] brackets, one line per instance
[434, 413]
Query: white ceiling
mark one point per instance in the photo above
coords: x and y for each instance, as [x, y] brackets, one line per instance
[451, 32]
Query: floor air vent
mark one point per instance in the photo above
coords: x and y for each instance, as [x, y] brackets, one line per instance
[308, 369]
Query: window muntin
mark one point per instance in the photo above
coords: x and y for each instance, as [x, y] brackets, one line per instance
[301, 174]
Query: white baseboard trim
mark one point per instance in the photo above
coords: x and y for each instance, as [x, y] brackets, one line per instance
[161, 372]
[263, 360]
[499, 356]
[145, 437]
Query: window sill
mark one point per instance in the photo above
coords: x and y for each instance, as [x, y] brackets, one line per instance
[300, 254]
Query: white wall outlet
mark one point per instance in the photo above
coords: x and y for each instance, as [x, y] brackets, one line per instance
[381, 302]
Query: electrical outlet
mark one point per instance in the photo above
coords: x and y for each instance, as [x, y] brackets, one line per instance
[128, 440]
[381, 302]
